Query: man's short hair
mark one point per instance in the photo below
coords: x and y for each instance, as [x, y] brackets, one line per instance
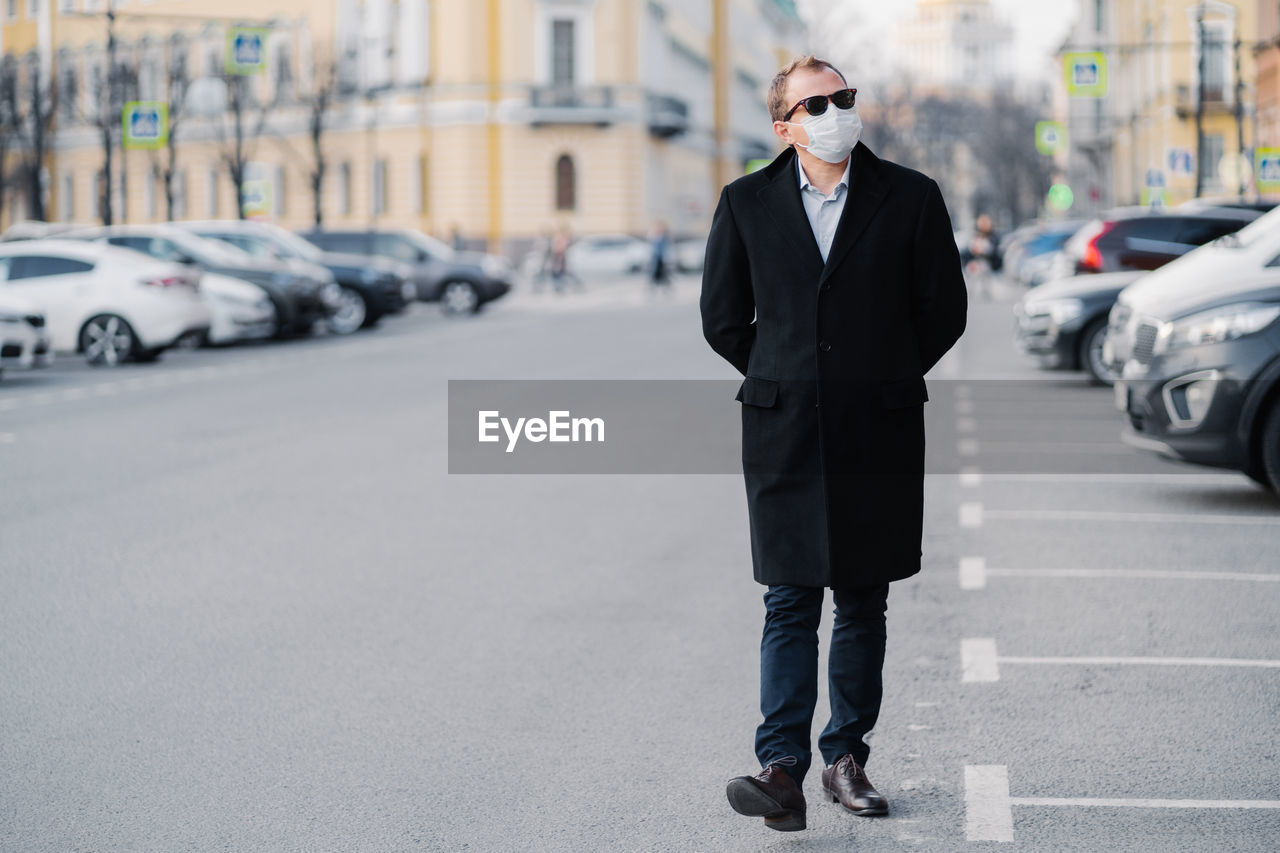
[778, 88]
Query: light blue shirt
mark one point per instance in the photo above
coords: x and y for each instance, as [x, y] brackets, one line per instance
[824, 210]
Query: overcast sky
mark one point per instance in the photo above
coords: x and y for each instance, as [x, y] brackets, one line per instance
[1040, 27]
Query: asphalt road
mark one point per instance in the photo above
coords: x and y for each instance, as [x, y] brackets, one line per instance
[243, 606]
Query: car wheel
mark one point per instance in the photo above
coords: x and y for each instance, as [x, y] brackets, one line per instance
[107, 340]
[349, 313]
[1091, 354]
[459, 297]
[1271, 449]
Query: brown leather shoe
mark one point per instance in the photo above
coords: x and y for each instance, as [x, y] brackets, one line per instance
[848, 785]
[771, 794]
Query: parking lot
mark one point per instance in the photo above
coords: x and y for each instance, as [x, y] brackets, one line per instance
[246, 606]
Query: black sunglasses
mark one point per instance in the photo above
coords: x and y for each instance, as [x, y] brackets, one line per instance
[816, 105]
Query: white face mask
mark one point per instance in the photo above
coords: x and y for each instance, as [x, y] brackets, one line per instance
[833, 134]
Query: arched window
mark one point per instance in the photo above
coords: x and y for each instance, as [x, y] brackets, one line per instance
[566, 184]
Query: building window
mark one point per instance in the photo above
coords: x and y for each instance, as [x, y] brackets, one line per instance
[66, 5]
[66, 198]
[211, 192]
[149, 193]
[563, 43]
[1099, 9]
[1211, 158]
[563, 48]
[179, 189]
[344, 189]
[378, 187]
[1217, 72]
[12, 9]
[566, 184]
[33, 8]
[282, 73]
[418, 186]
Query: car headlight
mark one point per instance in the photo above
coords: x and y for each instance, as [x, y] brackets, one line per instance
[1059, 310]
[1215, 326]
[368, 276]
[495, 267]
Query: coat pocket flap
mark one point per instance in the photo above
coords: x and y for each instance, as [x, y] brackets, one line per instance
[758, 392]
[900, 393]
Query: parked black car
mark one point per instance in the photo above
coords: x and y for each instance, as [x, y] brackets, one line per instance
[1064, 322]
[461, 281]
[370, 287]
[300, 300]
[1200, 345]
[1142, 239]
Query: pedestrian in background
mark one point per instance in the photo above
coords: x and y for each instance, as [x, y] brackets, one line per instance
[982, 256]
[832, 284]
[561, 240]
[660, 257]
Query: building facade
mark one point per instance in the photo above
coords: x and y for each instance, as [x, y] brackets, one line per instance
[494, 119]
[956, 45]
[1181, 102]
[1267, 57]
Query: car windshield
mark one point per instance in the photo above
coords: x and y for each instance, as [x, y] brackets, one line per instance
[211, 250]
[1259, 229]
[431, 245]
[288, 242]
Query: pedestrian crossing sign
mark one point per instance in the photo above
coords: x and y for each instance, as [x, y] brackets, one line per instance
[1086, 74]
[1051, 137]
[146, 124]
[1267, 169]
[256, 199]
[246, 50]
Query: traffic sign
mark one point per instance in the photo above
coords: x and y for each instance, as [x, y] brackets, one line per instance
[1086, 74]
[1051, 137]
[1267, 168]
[757, 164]
[145, 123]
[1154, 197]
[1180, 161]
[246, 50]
[256, 199]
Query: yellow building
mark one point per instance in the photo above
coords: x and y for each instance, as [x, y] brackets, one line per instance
[497, 118]
[1155, 86]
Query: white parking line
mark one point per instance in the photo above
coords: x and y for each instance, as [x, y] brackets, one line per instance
[989, 808]
[1127, 517]
[1122, 479]
[988, 812]
[971, 514]
[970, 477]
[1137, 574]
[978, 661]
[1056, 447]
[1142, 661]
[1130, 803]
[973, 573]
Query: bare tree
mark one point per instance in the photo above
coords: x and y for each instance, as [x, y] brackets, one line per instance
[30, 103]
[319, 102]
[237, 143]
[9, 124]
[177, 81]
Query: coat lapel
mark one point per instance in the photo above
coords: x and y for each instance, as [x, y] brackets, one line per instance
[867, 189]
[781, 198]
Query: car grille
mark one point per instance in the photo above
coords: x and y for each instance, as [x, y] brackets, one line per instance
[1144, 343]
[36, 321]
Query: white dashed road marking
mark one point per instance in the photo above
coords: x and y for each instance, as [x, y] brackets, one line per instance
[973, 573]
[970, 477]
[978, 661]
[988, 812]
[971, 514]
[1136, 574]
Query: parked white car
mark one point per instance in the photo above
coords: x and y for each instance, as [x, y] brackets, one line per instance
[24, 337]
[240, 310]
[110, 304]
[607, 254]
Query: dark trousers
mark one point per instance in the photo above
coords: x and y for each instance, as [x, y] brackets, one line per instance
[789, 673]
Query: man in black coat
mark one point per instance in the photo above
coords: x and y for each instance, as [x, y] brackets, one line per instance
[833, 284]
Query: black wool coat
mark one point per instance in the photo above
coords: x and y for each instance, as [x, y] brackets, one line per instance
[833, 358]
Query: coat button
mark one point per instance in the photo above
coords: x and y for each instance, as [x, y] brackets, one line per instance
[824, 346]
[826, 286]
